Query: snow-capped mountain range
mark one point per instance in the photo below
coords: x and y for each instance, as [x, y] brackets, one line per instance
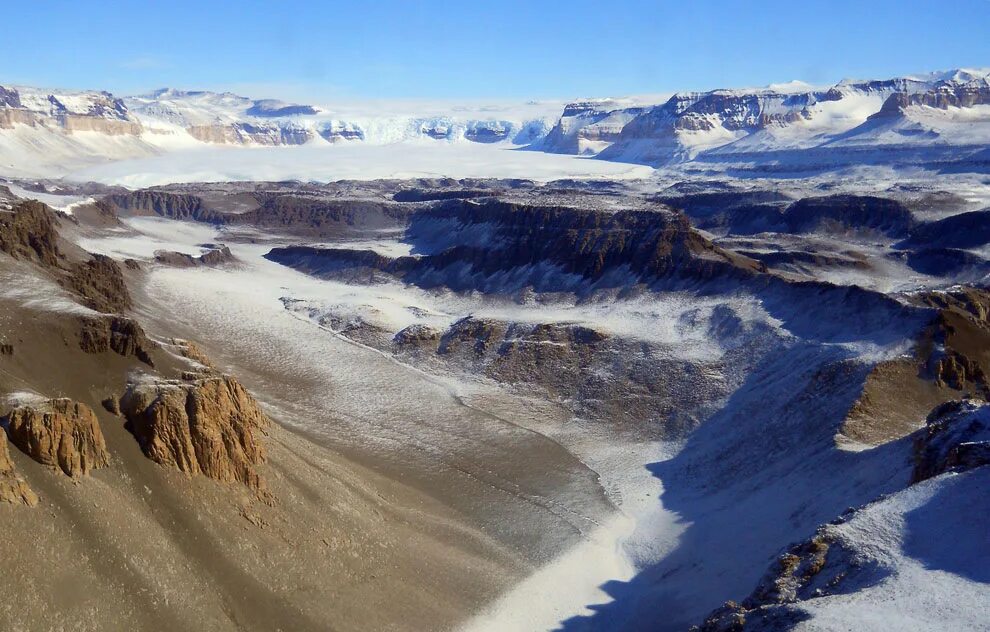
[845, 123]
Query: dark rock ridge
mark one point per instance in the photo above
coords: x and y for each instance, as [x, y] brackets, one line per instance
[494, 243]
[100, 283]
[849, 213]
[60, 434]
[217, 255]
[956, 437]
[736, 212]
[961, 265]
[210, 427]
[29, 232]
[950, 360]
[123, 336]
[312, 216]
[965, 230]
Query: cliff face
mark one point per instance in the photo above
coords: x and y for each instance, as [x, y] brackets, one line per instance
[60, 434]
[495, 245]
[100, 282]
[210, 427]
[123, 336]
[28, 232]
[951, 359]
[99, 112]
[13, 489]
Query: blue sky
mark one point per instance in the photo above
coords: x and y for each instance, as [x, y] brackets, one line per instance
[483, 49]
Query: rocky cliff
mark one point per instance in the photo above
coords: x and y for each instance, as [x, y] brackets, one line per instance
[13, 489]
[502, 245]
[60, 434]
[210, 427]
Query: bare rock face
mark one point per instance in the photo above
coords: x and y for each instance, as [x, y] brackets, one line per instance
[113, 333]
[13, 489]
[61, 434]
[100, 282]
[28, 232]
[956, 437]
[211, 426]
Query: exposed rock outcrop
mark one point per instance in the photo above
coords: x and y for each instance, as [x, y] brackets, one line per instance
[956, 437]
[28, 232]
[210, 427]
[951, 360]
[216, 256]
[565, 245]
[849, 213]
[100, 282]
[60, 434]
[13, 489]
[98, 334]
[813, 568]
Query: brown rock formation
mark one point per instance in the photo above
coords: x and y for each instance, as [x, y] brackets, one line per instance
[214, 257]
[211, 427]
[100, 282]
[951, 360]
[192, 351]
[123, 336]
[28, 232]
[13, 489]
[61, 434]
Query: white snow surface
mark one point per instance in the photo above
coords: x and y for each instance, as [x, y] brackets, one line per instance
[930, 544]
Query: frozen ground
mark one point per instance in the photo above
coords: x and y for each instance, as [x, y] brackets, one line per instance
[469, 443]
[540, 482]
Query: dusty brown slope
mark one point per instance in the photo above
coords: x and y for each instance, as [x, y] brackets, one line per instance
[142, 544]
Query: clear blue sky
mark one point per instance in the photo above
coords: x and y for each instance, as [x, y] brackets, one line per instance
[481, 49]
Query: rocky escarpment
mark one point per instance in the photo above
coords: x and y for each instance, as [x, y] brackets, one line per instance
[215, 256]
[956, 437]
[739, 212]
[13, 489]
[28, 231]
[100, 283]
[59, 433]
[849, 213]
[210, 427]
[123, 336]
[950, 360]
[632, 385]
[93, 111]
[498, 245]
[269, 134]
[965, 230]
[943, 95]
[164, 204]
[298, 214]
